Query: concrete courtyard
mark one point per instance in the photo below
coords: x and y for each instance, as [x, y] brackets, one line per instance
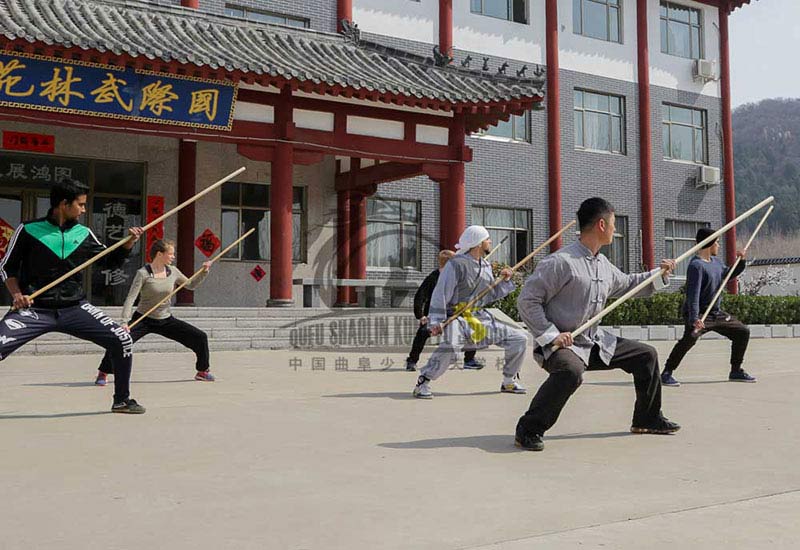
[279, 455]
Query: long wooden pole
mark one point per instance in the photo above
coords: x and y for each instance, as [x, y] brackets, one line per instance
[192, 278]
[150, 225]
[735, 264]
[499, 280]
[635, 290]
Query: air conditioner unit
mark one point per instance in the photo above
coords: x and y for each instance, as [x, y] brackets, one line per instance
[704, 70]
[707, 176]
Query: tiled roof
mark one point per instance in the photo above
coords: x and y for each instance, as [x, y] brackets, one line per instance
[185, 36]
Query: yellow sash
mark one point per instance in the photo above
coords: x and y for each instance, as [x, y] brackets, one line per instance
[478, 329]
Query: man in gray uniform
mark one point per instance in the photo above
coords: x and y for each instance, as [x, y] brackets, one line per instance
[464, 277]
[568, 288]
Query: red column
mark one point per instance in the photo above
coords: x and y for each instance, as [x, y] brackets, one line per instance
[446, 26]
[727, 139]
[452, 193]
[645, 140]
[553, 122]
[344, 10]
[190, 4]
[280, 197]
[358, 239]
[187, 172]
[343, 248]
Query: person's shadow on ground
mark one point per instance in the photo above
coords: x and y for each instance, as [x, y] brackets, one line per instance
[489, 443]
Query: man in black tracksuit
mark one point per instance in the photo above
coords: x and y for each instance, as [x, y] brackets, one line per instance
[40, 251]
[422, 301]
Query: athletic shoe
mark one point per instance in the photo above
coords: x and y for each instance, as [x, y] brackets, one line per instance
[411, 366]
[513, 387]
[740, 376]
[101, 380]
[658, 426]
[529, 442]
[128, 406]
[204, 376]
[668, 380]
[473, 364]
[422, 390]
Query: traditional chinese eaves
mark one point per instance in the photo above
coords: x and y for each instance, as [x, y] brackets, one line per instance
[267, 54]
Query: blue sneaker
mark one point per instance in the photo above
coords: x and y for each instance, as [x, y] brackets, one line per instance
[668, 380]
[740, 376]
[411, 366]
[473, 364]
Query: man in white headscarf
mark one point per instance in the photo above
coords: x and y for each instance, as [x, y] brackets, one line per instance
[464, 277]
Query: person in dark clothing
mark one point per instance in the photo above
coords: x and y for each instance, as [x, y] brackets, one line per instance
[40, 251]
[703, 279]
[422, 302]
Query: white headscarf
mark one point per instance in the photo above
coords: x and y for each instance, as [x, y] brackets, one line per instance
[472, 236]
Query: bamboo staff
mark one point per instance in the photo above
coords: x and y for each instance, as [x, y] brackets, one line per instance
[499, 280]
[635, 290]
[150, 225]
[736, 263]
[496, 248]
[190, 279]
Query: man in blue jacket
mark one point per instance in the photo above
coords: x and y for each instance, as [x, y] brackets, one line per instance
[703, 279]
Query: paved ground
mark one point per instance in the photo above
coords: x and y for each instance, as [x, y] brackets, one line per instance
[270, 457]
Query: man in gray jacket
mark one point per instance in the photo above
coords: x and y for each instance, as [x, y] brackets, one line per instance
[568, 288]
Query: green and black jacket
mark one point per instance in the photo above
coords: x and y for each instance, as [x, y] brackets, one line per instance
[40, 252]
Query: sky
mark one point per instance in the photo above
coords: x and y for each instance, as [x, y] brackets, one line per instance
[765, 51]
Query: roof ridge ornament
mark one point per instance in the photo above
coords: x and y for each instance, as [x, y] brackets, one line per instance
[441, 59]
[467, 60]
[351, 31]
[502, 68]
[485, 64]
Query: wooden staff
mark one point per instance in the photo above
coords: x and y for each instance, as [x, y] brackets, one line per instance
[660, 272]
[499, 280]
[496, 248]
[736, 263]
[116, 245]
[190, 279]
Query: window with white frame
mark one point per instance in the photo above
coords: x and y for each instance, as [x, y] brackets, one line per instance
[681, 30]
[597, 19]
[517, 128]
[685, 133]
[513, 223]
[510, 10]
[679, 236]
[617, 251]
[265, 16]
[393, 228]
[599, 122]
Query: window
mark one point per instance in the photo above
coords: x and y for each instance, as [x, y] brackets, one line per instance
[505, 222]
[265, 17]
[597, 19]
[679, 237]
[617, 251]
[392, 233]
[511, 10]
[246, 205]
[681, 31]
[517, 127]
[599, 122]
[685, 134]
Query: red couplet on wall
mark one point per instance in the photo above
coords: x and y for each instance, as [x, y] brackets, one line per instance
[24, 141]
[155, 208]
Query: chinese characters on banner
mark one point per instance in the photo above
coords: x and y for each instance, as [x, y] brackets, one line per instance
[40, 171]
[61, 85]
[207, 242]
[24, 141]
[155, 208]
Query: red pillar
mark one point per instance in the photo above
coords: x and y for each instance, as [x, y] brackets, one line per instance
[553, 122]
[190, 4]
[187, 173]
[358, 239]
[344, 10]
[727, 139]
[645, 140]
[343, 249]
[280, 198]
[452, 193]
[446, 26]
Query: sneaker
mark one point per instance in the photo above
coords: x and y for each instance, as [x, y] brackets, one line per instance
[473, 364]
[101, 380]
[529, 442]
[740, 376]
[658, 426]
[128, 406]
[411, 366]
[513, 387]
[668, 380]
[204, 376]
[422, 390]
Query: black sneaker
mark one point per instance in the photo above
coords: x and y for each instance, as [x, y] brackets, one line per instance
[658, 426]
[410, 366]
[740, 376]
[128, 406]
[529, 442]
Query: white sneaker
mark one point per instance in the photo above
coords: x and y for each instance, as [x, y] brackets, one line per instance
[513, 387]
[422, 390]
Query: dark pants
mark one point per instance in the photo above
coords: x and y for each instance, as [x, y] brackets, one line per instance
[419, 342]
[83, 321]
[172, 328]
[566, 374]
[724, 324]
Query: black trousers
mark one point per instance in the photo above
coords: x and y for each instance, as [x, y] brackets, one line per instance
[724, 324]
[172, 328]
[566, 374]
[83, 321]
[419, 342]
